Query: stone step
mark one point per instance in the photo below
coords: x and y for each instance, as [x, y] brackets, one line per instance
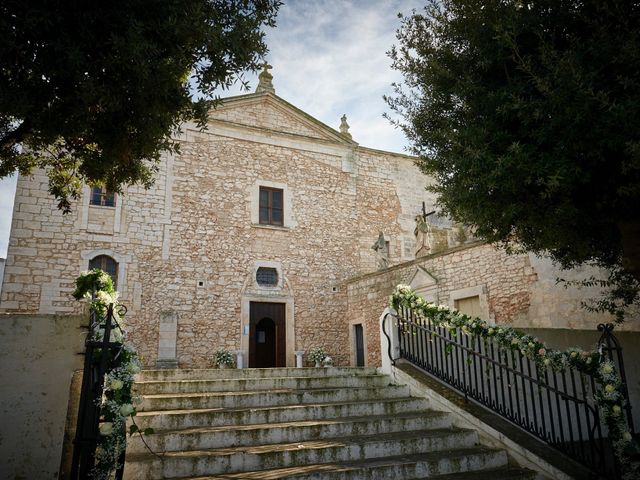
[214, 417]
[507, 473]
[201, 438]
[272, 383]
[397, 468]
[144, 466]
[231, 373]
[274, 397]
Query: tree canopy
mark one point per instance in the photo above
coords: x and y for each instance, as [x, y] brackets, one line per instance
[527, 113]
[94, 90]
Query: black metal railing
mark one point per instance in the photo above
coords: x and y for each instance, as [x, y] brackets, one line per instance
[557, 407]
[101, 356]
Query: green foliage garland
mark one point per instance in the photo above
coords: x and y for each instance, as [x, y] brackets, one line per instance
[609, 396]
[118, 401]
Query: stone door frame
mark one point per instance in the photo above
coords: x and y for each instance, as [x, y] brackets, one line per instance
[289, 318]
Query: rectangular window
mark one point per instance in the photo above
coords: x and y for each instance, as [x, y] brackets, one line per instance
[271, 206]
[100, 196]
[469, 306]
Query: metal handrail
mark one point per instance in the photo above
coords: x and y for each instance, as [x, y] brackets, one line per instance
[557, 407]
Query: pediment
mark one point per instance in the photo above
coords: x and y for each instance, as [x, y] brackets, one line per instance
[422, 280]
[270, 112]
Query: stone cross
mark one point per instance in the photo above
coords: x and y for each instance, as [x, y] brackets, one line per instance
[266, 67]
[424, 212]
[264, 80]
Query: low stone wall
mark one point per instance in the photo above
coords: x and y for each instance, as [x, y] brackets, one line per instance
[38, 354]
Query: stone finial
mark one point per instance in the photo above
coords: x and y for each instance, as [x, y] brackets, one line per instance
[264, 80]
[344, 127]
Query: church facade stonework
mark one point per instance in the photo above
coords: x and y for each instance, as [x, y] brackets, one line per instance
[270, 234]
[266, 206]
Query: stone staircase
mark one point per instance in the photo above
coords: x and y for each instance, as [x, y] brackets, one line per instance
[307, 423]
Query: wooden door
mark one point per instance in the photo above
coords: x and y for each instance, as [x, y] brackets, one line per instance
[359, 337]
[267, 335]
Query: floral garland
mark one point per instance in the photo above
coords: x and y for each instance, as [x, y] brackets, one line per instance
[117, 402]
[609, 397]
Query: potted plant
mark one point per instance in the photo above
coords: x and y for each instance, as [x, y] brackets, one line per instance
[222, 358]
[317, 355]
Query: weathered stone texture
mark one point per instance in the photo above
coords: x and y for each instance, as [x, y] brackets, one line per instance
[39, 354]
[518, 290]
[506, 281]
[188, 245]
[266, 114]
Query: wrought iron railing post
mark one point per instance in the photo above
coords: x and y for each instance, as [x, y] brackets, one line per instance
[89, 411]
[609, 345]
[389, 331]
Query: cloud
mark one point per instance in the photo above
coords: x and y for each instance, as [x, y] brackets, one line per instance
[329, 59]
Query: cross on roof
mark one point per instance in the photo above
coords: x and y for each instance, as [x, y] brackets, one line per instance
[265, 66]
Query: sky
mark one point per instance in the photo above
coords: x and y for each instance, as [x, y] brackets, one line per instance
[329, 59]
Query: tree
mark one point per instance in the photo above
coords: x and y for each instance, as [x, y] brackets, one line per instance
[93, 91]
[527, 113]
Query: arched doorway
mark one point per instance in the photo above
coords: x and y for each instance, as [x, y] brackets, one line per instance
[267, 336]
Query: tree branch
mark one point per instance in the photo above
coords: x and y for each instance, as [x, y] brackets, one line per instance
[15, 136]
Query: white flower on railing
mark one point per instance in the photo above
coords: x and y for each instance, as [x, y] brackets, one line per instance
[609, 398]
[106, 428]
[127, 409]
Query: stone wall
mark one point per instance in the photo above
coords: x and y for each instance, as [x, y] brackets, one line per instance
[38, 354]
[517, 290]
[189, 247]
[2, 260]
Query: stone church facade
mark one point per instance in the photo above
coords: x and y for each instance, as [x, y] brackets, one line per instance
[257, 237]
[266, 213]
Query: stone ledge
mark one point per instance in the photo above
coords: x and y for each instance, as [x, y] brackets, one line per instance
[271, 227]
[415, 261]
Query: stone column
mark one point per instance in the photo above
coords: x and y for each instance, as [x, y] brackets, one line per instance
[239, 359]
[167, 340]
[299, 355]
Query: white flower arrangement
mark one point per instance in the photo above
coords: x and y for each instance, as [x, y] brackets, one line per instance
[609, 396]
[222, 357]
[317, 355]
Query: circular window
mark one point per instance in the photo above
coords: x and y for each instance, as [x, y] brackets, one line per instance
[267, 277]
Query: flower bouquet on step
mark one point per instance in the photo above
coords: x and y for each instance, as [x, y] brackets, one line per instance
[317, 355]
[222, 358]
